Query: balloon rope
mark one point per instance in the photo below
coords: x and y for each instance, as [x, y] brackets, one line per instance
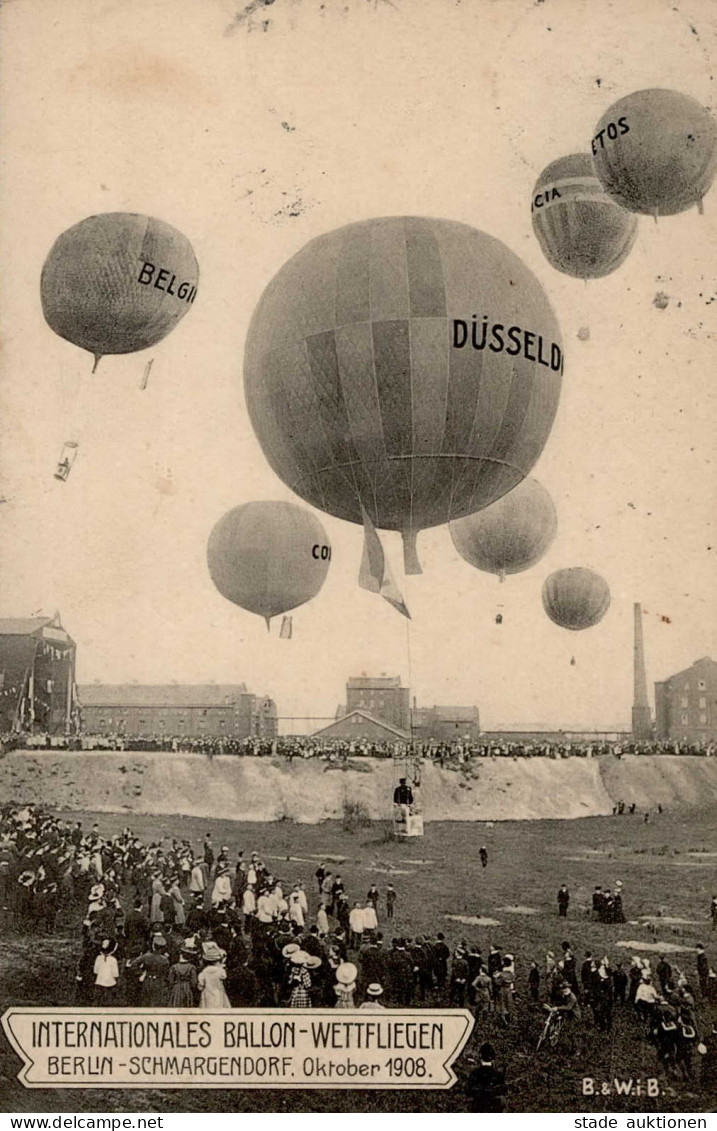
[410, 680]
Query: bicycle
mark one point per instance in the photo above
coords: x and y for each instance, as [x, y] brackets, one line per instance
[552, 1028]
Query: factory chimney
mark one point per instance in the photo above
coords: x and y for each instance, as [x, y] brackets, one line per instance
[641, 719]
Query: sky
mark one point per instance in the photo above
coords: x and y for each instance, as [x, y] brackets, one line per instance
[253, 128]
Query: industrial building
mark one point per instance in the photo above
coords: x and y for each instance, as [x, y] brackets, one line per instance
[382, 697]
[445, 724]
[686, 703]
[37, 676]
[360, 726]
[381, 701]
[190, 710]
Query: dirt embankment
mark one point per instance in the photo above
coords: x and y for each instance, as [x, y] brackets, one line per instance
[271, 789]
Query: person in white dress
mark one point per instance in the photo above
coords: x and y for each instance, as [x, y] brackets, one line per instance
[222, 890]
[212, 978]
[296, 912]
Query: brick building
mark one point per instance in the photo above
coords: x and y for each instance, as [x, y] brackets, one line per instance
[445, 724]
[37, 676]
[360, 726]
[686, 703]
[193, 710]
[382, 697]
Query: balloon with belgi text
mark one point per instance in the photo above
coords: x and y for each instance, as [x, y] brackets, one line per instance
[118, 282]
[404, 368]
[268, 557]
[582, 230]
[655, 151]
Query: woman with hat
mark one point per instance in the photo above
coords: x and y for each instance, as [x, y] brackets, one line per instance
[222, 890]
[345, 985]
[156, 913]
[155, 972]
[212, 978]
[106, 973]
[372, 1002]
[183, 980]
[178, 903]
[299, 981]
[317, 973]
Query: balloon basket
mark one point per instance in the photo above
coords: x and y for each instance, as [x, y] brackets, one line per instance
[68, 456]
[410, 826]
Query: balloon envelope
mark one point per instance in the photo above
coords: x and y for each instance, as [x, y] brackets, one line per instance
[576, 598]
[268, 557]
[655, 151]
[582, 230]
[511, 534]
[404, 366]
[118, 282]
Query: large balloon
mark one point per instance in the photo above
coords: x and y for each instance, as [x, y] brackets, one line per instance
[582, 231]
[118, 282]
[655, 151]
[576, 598]
[511, 534]
[405, 367]
[268, 557]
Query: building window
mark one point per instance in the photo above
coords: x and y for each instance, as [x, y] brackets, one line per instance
[703, 720]
[684, 701]
[703, 701]
[684, 720]
[701, 685]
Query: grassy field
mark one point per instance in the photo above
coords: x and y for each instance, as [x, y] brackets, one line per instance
[668, 868]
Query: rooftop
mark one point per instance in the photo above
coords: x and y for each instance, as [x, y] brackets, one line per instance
[160, 695]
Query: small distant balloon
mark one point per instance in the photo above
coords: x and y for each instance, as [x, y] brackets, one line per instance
[268, 557]
[118, 282]
[510, 535]
[582, 230]
[576, 598]
[655, 152]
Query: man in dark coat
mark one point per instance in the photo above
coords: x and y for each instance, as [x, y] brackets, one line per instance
[137, 930]
[664, 973]
[563, 901]
[400, 969]
[486, 1084]
[619, 981]
[402, 794]
[703, 968]
[441, 954]
[459, 980]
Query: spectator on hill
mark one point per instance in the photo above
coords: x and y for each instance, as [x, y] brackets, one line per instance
[563, 901]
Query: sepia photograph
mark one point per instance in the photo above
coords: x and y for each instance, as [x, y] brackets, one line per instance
[358, 634]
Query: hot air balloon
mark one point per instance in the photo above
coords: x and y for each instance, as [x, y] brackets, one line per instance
[511, 534]
[268, 557]
[582, 231]
[118, 282]
[403, 367]
[655, 151]
[576, 598]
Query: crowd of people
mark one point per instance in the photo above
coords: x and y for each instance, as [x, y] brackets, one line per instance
[177, 925]
[457, 753]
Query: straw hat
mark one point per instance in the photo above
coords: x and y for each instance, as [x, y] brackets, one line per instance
[374, 990]
[346, 973]
[211, 952]
[289, 949]
[299, 957]
[312, 962]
